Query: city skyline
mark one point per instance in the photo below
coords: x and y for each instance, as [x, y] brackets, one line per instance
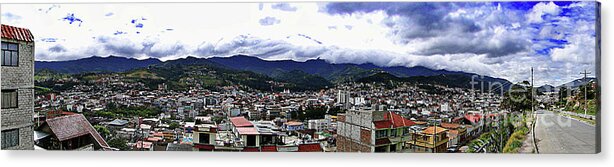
[499, 39]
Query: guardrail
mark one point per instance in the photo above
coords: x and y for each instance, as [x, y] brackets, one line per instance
[592, 117]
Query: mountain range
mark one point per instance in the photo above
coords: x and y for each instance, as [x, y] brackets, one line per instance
[285, 70]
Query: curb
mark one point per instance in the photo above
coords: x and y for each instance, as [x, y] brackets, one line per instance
[533, 134]
[568, 117]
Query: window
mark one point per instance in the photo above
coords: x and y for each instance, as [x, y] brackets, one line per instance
[381, 134]
[9, 99]
[10, 138]
[203, 138]
[393, 132]
[405, 131]
[10, 54]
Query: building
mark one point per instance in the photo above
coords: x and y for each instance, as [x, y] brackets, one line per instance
[69, 132]
[432, 139]
[253, 136]
[17, 88]
[293, 126]
[204, 137]
[318, 124]
[457, 133]
[372, 131]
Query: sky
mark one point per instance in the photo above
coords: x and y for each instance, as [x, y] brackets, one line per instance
[498, 39]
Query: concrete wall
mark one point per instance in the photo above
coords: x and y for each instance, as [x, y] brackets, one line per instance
[20, 78]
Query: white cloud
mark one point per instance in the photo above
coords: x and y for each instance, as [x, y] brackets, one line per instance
[580, 50]
[541, 9]
[485, 38]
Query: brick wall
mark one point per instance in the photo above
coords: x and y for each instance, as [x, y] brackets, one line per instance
[365, 136]
[20, 78]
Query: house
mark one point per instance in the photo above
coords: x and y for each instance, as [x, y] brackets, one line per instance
[17, 88]
[255, 135]
[432, 139]
[70, 132]
[203, 136]
[457, 133]
[372, 131]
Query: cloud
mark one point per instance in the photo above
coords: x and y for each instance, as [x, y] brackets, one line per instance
[57, 48]
[542, 9]
[580, 50]
[444, 28]
[267, 21]
[501, 39]
[284, 7]
[10, 17]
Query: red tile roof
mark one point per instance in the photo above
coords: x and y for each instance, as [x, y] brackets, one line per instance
[431, 130]
[473, 118]
[268, 149]
[384, 124]
[71, 126]
[16, 33]
[313, 147]
[393, 120]
[450, 125]
[240, 122]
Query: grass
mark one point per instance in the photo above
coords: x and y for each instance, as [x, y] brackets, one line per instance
[515, 141]
[589, 121]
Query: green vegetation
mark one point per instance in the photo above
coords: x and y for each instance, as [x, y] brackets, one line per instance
[119, 143]
[38, 90]
[576, 103]
[314, 113]
[493, 141]
[114, 111]
[299, 80]
[515, 141]
[103, 131]
[519, 97]
[589, 121]
[174, 125]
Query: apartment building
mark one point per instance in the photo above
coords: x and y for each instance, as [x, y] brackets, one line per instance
[372, 131]
[17, 88]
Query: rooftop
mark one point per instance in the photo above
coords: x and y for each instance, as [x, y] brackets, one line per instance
[240, 122]
[17, 33]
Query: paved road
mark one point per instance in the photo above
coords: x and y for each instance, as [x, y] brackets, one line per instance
[556, 134]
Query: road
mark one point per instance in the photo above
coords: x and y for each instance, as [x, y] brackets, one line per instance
[556, 134]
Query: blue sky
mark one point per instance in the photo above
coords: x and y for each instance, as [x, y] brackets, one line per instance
[500, 39]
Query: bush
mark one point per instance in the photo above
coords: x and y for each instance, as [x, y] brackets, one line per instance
[515, 141]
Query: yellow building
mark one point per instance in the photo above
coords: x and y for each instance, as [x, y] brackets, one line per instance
[431, 139]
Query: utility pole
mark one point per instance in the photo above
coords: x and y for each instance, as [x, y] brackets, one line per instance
[585, 92]
[532, 91]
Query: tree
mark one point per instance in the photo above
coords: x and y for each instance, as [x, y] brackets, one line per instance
[119, 143]
[519, 97]
[103, 131]
[173, 125]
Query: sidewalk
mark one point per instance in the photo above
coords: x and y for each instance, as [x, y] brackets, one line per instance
[528, 147]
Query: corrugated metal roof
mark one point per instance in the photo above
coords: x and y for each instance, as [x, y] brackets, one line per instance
[16, 33]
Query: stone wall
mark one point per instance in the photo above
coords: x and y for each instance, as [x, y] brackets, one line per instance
[20, 78]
